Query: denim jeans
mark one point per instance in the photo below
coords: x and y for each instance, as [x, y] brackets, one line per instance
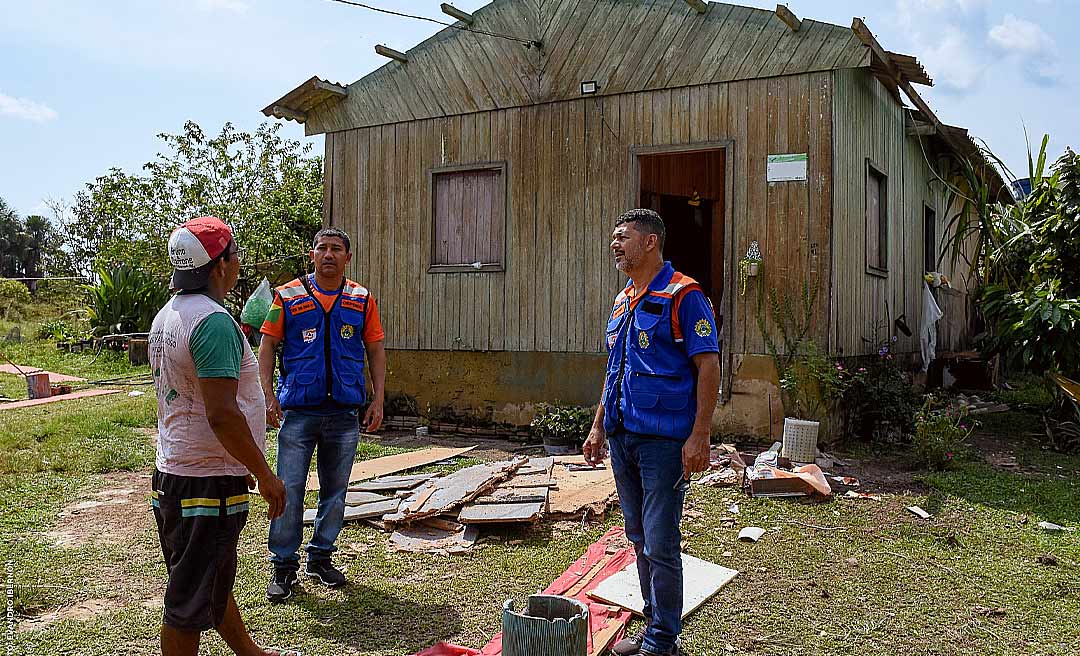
[647, 469]
[335, 436]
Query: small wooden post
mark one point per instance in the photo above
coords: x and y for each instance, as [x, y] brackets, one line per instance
[789, 18]
[698, 5]
[37, 385]
[138, 351]
[391, 53]
[454, 12]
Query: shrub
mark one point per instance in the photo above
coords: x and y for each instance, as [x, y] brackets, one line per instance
[562, 424]
[940, 434]
[812, 384]
[14, 297]
[879, 396]
[126, 300]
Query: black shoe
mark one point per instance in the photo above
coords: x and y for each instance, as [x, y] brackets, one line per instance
[630, 645]
[281, 585]
[324, 572]
[677, 650]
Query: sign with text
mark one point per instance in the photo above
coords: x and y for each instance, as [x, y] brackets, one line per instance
[786, 168]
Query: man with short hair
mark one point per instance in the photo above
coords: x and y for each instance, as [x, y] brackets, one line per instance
[212, 431]
[660, 390]
[325, 324]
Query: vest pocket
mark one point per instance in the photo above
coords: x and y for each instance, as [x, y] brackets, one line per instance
[650, 390]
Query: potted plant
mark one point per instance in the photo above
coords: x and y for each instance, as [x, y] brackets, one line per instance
[748, 266]
[561, 428]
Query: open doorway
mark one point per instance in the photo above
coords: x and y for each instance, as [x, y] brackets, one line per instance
[687, 190]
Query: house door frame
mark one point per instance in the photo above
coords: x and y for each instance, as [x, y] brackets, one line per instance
[728, 256]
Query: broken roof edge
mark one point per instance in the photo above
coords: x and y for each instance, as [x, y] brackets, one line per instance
[309, 94]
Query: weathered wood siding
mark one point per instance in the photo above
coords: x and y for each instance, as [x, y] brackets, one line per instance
[569, 166]
[870, 124]
[624, 45]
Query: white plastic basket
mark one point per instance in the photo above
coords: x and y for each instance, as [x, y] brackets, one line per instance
[800, 440]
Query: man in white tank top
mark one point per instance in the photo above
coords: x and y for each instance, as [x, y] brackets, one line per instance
[212, 434]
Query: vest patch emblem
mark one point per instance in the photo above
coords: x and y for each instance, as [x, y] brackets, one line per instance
[347, 331]
[352, 304]
[703, 328]
[309, 335]
[302, 307]
[643, 339]
[611, 339]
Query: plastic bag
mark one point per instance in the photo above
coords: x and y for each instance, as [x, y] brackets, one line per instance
[257, 305]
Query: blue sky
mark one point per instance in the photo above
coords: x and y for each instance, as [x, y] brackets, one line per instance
[87, 85]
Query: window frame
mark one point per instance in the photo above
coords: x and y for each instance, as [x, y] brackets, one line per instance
[874, 171]
[930, 249]
[504, 187]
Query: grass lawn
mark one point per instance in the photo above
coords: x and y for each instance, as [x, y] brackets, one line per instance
[841, 577]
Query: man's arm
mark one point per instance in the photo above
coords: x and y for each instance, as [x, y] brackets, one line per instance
[696, 449]
[232, 430]
[267, 363]
[376, 355]
[593, 449]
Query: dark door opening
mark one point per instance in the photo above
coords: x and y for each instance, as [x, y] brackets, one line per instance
[687, 190]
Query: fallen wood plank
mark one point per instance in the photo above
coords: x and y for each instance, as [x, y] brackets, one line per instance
[360, 498]
[53, 376]
[365, 511]
[495, 513]
[386, 465]
[521, 495]
[583, 490]
[449, 492]
[701, 580]
[431, 536]
[384, 485]
[29, 403]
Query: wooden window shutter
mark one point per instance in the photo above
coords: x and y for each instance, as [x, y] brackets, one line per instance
[469, 212]
[877, 220]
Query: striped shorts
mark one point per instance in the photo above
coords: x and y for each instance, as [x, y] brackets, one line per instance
[199, 520]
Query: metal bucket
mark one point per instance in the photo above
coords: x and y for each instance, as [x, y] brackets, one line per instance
[37, 386]
[550, 626]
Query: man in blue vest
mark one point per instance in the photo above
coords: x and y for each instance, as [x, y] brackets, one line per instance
[660, 389]
[325, 324]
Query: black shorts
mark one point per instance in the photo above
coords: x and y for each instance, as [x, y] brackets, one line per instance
[199, 520]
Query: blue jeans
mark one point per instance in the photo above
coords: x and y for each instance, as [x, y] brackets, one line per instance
[646, 470]
[336, 437]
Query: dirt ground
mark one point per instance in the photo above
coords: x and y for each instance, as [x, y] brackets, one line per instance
[114, 514]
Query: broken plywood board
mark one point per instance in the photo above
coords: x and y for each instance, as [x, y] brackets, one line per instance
[25, 371]
[360, 498]
[441, 495]
[582, 490]
[392, 483]
[387, 465]
[365, 511]
[434, 536]
[701, 580]
[495, 513]
[516, 495]
[29, 403]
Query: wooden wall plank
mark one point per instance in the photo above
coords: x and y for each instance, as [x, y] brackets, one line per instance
[604, 26]
[705, 45]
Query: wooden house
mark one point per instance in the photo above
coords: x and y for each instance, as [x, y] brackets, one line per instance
[480, 173]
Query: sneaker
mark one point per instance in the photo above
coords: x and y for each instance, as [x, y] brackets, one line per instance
[630, 645]
[324, 572]
[677, 650]
[281, 585]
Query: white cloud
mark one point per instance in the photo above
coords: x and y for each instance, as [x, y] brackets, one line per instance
[26, 109]
[1020, 36]
[954, 62]
[236, 6]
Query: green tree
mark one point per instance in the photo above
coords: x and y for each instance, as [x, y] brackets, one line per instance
[266, 187]
[30, 247]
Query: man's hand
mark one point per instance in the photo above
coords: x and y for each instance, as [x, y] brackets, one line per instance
[273, 490]
[373, 417]
[594, 448]
[273, 411]
[695, 453]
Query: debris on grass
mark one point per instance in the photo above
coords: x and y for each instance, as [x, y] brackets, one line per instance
[918, 512]
[1054, 528]
[751, 534]
[1047, 559]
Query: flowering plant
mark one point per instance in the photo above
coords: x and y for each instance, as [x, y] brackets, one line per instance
[940, 433]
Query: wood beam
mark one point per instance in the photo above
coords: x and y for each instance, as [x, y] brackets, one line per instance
[391, 53]
[330, 87]
[454, 12]
[789, 18]
[698, 5]
[285, 112]
[921, 130]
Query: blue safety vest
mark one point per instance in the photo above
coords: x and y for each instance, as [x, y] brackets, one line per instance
[649, 386]
[323, 352]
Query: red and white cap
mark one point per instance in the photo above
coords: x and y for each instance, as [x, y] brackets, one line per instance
[193, 246]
